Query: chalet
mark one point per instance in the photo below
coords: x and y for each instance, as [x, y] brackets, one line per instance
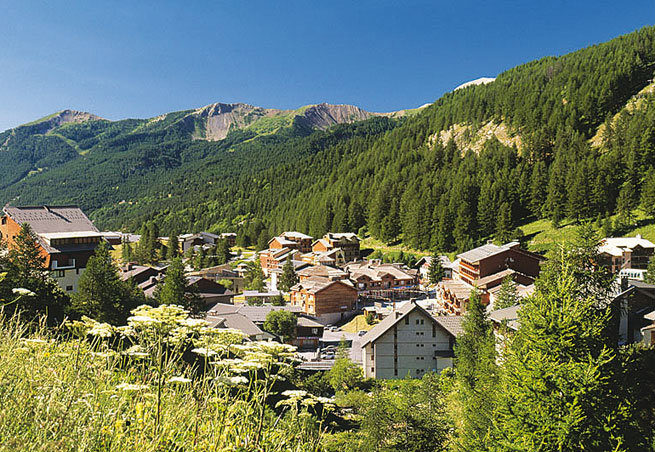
[222, 272]
[138, 273]
[206, 239]
[328, 301]
[67, 238]
[231, 238]
[347, 242]
[370, 275]
[488, 260]
[209, 291]
[620, 253]
[308, 333]
[274, 258]
[334, 257]
[250, 320]
[648, 332]
[409, 342]
[484, 269]
[291, 240]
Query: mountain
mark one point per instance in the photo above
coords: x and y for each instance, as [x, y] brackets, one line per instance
[566, 137]
[477, 81]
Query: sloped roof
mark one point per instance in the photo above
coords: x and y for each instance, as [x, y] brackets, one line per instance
[615, 246]
[388, 322]
[451, 323]
[315, 284]
[482, 252]
[511, 315]
[296, 235]
[52, 219]
[322, 270]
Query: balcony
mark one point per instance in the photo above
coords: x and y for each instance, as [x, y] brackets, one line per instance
[65, 264]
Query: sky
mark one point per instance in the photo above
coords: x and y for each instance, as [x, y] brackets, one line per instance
[138, 59]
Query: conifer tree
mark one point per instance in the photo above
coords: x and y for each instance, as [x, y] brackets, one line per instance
[126, 250]
[504, 224]
[173, 247]
[649, 277]
[25, 268]
[175, 289]
[436, 271]
[101, 294]
[254, 278]
[288, 278]
[476, 376]
[625, 205]
[507, 295]
[648, 193]
[556, 389]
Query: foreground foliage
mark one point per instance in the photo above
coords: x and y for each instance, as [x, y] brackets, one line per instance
[78, 395]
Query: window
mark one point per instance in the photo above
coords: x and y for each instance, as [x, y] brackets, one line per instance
[69, 288]
[434, 330]
[407, 320]
[60, 274]
[422, 322]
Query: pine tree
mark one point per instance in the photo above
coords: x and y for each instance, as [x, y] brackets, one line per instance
[507, 296]
[649, 277]
[25, 268]
[126, 250]
[288, 278]
[436, 271]
[173, 247]
[625, 206]
[254, 278]
[504, 227]
[101, 294]
[175, 289]
[648, 193]
[557, 382]
[476, 378]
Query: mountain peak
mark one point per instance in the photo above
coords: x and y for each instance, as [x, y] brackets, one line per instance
[477, 81]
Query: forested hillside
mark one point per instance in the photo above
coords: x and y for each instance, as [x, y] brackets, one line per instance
[396, 177]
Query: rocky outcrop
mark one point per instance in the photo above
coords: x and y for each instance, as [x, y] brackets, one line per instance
[324, 116]
[219, 118]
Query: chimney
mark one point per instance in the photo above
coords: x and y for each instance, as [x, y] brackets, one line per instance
[397, 313]
[412, 300]
[393, 306]
[624, 283]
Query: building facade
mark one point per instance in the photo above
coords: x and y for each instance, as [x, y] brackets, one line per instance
[66, 237]
[409, 342]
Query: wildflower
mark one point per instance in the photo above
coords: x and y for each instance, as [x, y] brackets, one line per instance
[34, 341]
[23, 292]
[131, 387]
[232, 381]
[101, 330]
[297, 393]
[179, 380]
[204, 351]
[136, 351]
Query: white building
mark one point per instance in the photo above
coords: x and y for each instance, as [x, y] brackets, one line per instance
[411, 342]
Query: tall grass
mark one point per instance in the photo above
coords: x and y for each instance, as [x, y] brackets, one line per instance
[78, 395]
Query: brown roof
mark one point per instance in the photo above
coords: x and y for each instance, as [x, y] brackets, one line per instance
[322, 270]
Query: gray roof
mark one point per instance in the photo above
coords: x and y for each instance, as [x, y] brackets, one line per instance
[49, 219]
[256, 314]
[451, 323]
[511, 315]
[240, 322]
[482, 252]
[378, 330]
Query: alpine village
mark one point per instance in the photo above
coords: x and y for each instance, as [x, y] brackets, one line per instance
[477, 274]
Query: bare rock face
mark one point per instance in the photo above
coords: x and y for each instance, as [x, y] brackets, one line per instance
[324, 116]
[64, 117]
[221, 117]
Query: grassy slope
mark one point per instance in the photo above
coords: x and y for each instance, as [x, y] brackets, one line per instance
[544, 237]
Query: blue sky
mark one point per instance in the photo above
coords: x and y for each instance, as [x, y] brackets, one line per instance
[122, 59]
